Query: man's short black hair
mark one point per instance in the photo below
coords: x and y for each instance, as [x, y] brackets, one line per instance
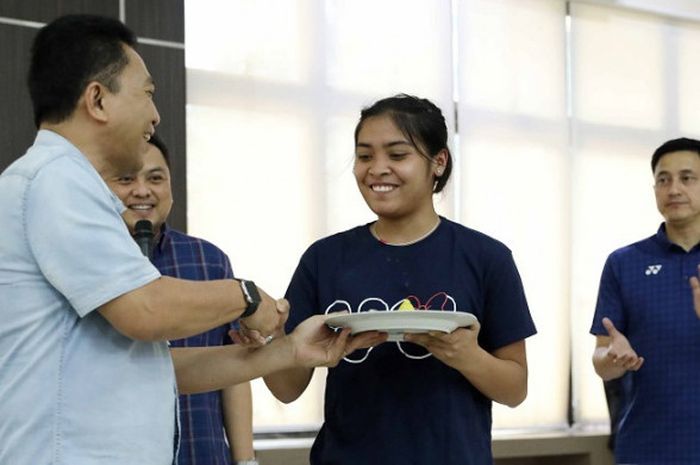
[158, 143]
[682, 144]
[67, 54]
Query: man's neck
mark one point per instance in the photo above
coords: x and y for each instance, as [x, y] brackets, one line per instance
[685, 235]
[76, 135]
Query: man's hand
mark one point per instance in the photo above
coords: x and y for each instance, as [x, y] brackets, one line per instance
[619, 351]
[695, 286]
[269, 317]
[252, 338]
[315, 344]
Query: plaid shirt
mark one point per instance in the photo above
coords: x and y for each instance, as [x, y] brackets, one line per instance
[202, 435]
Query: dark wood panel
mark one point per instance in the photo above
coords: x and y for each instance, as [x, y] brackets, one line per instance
[17, 129]
[44, 11]
[157, 19]
[167, 66]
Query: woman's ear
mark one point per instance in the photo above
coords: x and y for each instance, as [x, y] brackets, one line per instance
[93, 100]
[440, 162]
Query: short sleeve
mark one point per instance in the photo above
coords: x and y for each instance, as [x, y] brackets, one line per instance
[302, 292]
[507, 316]
[78, 238]
[609, 303]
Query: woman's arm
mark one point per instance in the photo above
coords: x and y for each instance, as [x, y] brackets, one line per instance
[500, 376]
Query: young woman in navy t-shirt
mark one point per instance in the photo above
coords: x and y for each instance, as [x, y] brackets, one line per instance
[428, 398]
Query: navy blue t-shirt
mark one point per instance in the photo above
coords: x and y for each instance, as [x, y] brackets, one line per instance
[395, 403]
[645, 291]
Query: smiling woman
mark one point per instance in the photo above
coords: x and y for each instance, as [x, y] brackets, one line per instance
[395, 179]
[401, 159]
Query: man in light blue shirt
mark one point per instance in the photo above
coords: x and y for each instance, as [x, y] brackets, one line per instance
[58, 356]
[85, 373]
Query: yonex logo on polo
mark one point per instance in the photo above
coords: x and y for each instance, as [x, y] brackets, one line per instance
[652, 269]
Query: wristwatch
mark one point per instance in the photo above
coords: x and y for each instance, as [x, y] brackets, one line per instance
[251, 295]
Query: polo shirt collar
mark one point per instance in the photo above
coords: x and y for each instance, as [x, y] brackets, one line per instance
[662, 240]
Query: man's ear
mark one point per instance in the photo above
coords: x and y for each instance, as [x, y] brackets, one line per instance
[94, 101]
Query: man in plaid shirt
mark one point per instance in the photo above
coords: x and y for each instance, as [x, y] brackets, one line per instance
[215, 427]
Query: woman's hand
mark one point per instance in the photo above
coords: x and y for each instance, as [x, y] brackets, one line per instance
[453, 349]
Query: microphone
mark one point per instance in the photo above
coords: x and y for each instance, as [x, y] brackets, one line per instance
[143, 235]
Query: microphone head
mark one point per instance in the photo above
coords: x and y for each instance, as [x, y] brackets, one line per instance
[143, 228]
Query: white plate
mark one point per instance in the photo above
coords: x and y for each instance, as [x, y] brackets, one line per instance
[397, 323]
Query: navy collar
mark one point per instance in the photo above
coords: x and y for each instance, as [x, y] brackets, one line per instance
[163, 239]
[662, 241]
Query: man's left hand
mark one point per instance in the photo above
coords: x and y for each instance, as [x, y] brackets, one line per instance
[695, 286]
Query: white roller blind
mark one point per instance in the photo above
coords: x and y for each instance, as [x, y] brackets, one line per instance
[274, 93]
[515, 173]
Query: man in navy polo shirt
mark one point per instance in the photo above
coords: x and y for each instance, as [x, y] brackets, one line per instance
[645, 321]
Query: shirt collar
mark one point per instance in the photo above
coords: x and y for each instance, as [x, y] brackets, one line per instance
[47, 138]
[163, 240]
[662, 240]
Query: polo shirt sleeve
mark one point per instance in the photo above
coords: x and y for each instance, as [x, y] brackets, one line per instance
[609, 303]
[80, 242]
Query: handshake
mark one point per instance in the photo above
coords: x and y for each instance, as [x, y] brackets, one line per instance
[312, 343]
[264, 317]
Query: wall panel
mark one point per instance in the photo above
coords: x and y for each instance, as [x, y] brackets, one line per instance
[162, 20]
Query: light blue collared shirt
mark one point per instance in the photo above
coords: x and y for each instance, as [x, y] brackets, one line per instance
[74, 391]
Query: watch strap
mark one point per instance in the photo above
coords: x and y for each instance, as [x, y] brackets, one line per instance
[251, 296]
